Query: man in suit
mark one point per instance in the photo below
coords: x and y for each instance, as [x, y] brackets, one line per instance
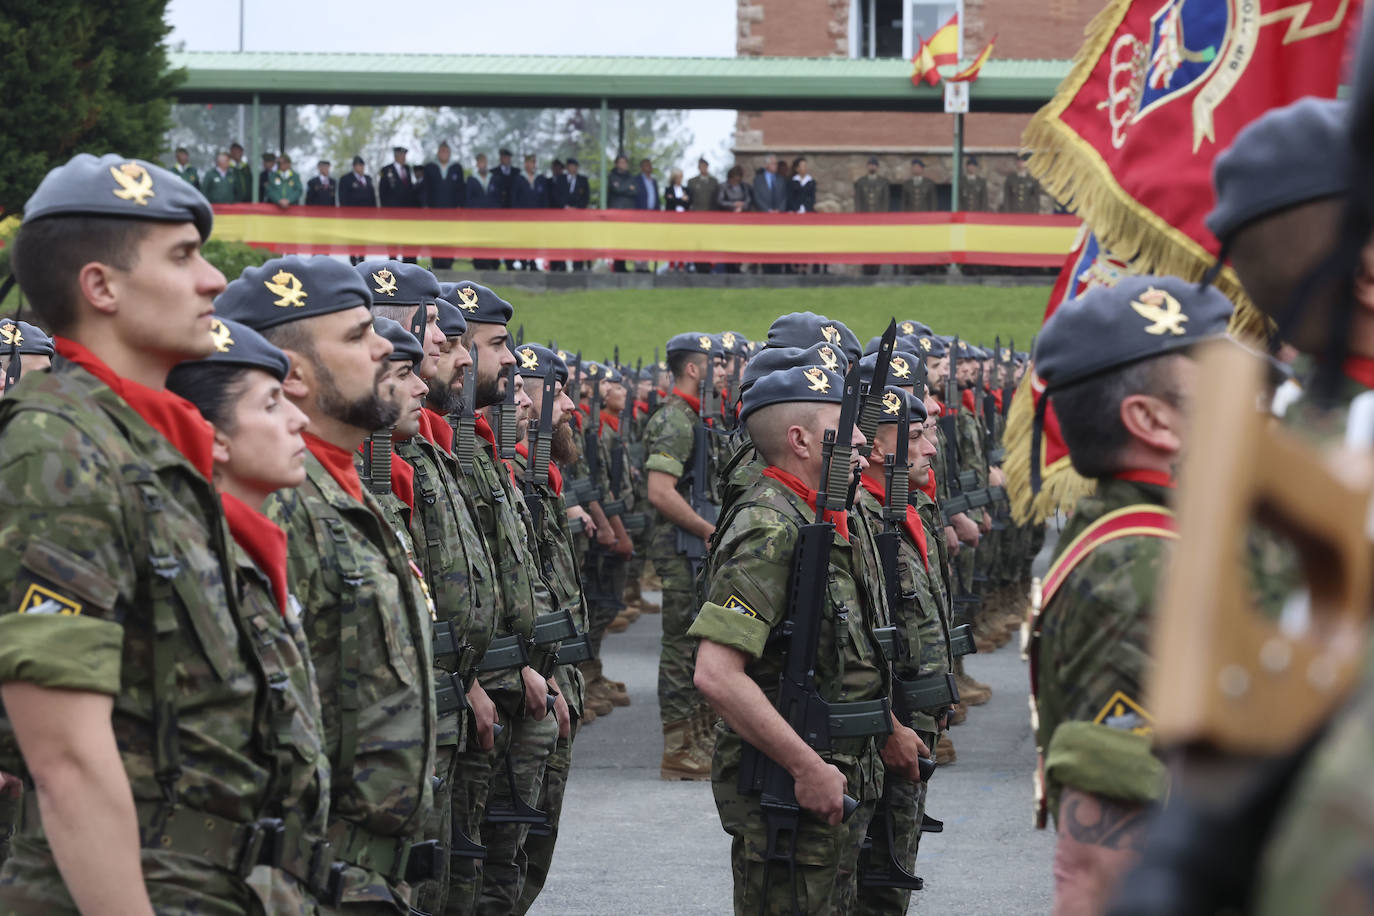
[646, 197]
[397, 182]
[529, 191]
[319, 191]
[183, 169]
[770, 191]
[557, 193]
[243, 174]
[443, 187]
[269, 165]
[572, 192]
[502, 181]
[481, 192]
[356, 189]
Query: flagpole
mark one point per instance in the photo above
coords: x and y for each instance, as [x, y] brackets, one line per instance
[958, 176]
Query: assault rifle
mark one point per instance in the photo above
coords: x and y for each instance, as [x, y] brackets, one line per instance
[595, 580]
[541, 442]
[817, 721]
[688, 544]
[955, 502]
[653, 385]
[377, 462]
[465, 430]
[506, 433]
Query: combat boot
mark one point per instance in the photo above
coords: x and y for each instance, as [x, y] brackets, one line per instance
[614, 691]
[588, 715]
[680, 760]
[971, 692]
[959, 714]
[596, 702]
[649, 607]
[631, 613]
[944, 751]
[650, 579]
[619, 625]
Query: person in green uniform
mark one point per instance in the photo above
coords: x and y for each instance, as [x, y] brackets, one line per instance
[1021, 193]
[973, 189]
[670, 439]
[219, 182]
[871, 195]
[284, 186]
[242, 174]
[918, 192]
[1117, 369]
[558, 558]
[258, 450]
[368, 617]
[26, 344]
[183, 168]
[133, 674]
[392, 482]
[787, 413]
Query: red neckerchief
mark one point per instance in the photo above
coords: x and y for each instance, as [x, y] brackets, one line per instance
[1157, 478]
[912, 522]
[945, 409]
[694, 402]
[641, 407]
[483, 429]
[1357, 369]
[263, 541]
[966, 398]
[338, 463]
[424, 427]
[928, 488]
[997, 398]
[609, 419]
[174, 417]
[440, 433]
[838, 517]
[555, 475]
[403, 481]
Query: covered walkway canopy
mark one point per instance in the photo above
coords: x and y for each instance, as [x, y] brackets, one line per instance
[526, 81]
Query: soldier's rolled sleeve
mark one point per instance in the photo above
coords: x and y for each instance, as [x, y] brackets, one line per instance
[63, 558]
[1105, 761]
[747, 593]
[668, 438]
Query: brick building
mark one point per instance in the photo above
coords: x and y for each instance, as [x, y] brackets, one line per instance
[837, 145]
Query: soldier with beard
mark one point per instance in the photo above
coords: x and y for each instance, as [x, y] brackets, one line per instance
[401, 386]
[367, 617]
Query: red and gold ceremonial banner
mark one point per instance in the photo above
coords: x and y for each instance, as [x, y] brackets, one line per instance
[1158, 90]
[1007, 240]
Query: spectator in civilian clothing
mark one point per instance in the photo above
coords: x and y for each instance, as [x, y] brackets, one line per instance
[646, 197]
[481, 193]
[622, 192]
[736, 197]
[356, 189]
[529, 191]
[770, 191]
[319, 191]
[801, 197]
[443, 188]
[575, 193]
[676, 199]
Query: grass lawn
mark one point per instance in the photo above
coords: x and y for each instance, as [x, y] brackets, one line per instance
[639, 320]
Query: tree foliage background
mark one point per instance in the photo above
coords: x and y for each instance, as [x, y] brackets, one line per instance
[80, 77]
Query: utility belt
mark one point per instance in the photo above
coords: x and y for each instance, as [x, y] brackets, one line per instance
[235, 846]
[927, 691]
[395, 858]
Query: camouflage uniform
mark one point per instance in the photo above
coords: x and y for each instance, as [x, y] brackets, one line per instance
[1091, 652]
[558, 560]
[95, 503]
[457, 565]
[669, 437]
[969, 561]
[746, 590]
[368, 622]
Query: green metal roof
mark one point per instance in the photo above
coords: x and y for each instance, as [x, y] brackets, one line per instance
[760, 83]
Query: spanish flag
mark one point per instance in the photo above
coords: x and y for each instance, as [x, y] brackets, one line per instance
[970, 73]
[939, 50]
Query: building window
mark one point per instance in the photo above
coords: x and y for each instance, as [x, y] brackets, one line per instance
[894, 28]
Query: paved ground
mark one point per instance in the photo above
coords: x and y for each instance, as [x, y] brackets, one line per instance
[633, 844]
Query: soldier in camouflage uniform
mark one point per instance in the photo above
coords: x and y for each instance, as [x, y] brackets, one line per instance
[128, 656]
[392, 483]
[558, 559]
[238, 388]
[747, 584]
[28, 344]
[1116, 368]
[368, 615]
[670, 437]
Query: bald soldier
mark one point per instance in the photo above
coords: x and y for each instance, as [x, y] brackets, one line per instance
[1117, 369]
[787, 414]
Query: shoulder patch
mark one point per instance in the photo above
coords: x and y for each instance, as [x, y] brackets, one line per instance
[733, 603]
[1125, 714]
[40, 600]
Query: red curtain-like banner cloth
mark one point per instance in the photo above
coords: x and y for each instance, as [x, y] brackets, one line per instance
[1007, 240]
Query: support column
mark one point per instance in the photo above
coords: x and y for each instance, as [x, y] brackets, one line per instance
[254, 151]
[620, 132]
[281, 129]
[958, 175]
[601, 160]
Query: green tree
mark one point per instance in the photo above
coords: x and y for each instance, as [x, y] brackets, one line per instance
[365, 131]
[80, 77]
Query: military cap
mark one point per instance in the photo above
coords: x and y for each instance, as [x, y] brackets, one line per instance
[964, 350]
[694, 342]
[479, 304]
[774, 359]
[930, 346]
[794, 383]
[872, 160]
[403, 343]
[239, 345]
[906, 367]
[536, 361]
[1110, 327]
[115, 186]
[802, 329]
[733, 343]
[603, 372]
[1285, 157]
[917, 160]
[451, 320]
[892, 406]
[397, 283]
[909, 326]
[30, 340]
[291, 288]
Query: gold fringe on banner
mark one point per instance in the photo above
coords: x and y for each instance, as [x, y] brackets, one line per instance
[1061, 487]
[1075, 175]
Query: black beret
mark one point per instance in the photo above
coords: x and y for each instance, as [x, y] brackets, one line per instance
[905, 369]
[802, 329]
[872, 160]
[964, 350]
[796, 383]
[479, 304]
[1285, 157]
[291, 288]
[918, 161]
[239, 345]
[733, 343]
[451, 321]
[892, 406]
[601, 372]
[774, 359]
[931, 346]
[910, 326]
[536, 361]
[1110, 327]
[404, 346]
[397, 283]
[694, 342]
[28, 338]
[115, 186]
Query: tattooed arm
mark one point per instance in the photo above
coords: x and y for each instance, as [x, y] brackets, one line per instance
[1099, 839]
